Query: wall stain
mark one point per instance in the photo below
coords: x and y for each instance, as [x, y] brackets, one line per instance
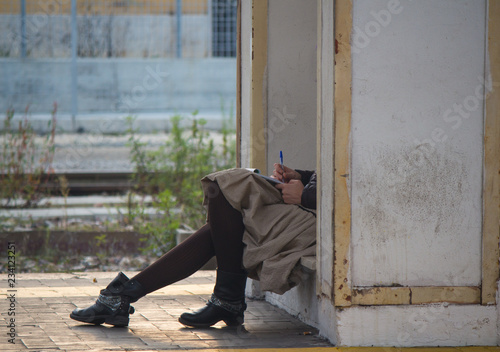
[409, 187]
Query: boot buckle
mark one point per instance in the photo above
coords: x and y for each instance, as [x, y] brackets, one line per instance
[234, 308]
[112, 302]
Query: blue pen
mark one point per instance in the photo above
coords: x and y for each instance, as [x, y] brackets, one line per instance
[282, 167]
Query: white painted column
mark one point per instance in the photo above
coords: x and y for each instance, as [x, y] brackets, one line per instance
[417, 142]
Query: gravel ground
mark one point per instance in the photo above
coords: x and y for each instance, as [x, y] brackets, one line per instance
[94, 153]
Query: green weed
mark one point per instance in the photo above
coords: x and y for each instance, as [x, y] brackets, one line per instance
[172, 174]
[25, 166]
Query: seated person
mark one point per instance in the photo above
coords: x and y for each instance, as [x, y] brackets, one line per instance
[254, 228]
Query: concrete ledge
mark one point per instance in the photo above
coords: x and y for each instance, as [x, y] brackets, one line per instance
[115, 123]
[309, 263]
[426, 325]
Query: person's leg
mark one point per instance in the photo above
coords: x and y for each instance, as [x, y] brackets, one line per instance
[178, 263]
[222, 236]
[113, 305]
[226, 224]
[228, 300]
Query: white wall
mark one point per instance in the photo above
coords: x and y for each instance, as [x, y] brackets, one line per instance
[417, 132]
[246, 81]
[416, 165]
[291, 83]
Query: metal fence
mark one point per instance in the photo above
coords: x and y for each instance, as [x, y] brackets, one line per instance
[125, 28]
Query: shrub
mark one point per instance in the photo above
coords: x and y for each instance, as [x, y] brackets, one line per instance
[25, 165]
[172, 174]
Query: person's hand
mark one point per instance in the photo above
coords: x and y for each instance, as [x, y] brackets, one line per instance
[285, 175]
[291, 191]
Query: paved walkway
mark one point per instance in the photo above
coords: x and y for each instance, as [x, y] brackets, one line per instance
[43, 302]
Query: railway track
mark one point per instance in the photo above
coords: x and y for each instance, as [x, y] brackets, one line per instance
[85, 183]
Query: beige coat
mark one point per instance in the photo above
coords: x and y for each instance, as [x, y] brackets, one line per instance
[276, 235]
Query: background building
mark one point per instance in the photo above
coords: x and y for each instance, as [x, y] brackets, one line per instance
[109, 59]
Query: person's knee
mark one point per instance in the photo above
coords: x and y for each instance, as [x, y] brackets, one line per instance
[213, 190]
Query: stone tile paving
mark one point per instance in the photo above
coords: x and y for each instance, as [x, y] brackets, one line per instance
[44, 301]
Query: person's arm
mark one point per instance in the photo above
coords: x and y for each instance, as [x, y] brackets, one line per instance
[305, 175]
[285, 174]
[308, 198]
[300, 188]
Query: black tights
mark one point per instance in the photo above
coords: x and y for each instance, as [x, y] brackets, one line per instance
[220, 236]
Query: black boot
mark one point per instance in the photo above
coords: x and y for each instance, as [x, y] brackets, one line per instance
[113, 305]
[227, 303]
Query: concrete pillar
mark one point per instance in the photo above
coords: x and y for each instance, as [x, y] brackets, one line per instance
[409, 159]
